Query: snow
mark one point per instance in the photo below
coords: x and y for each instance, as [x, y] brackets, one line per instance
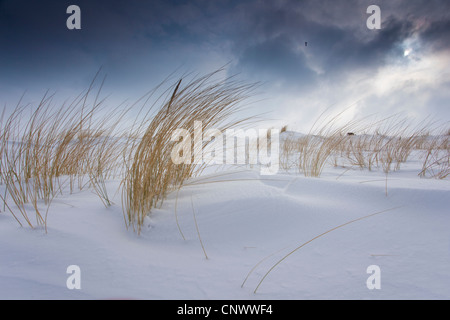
[247, 223]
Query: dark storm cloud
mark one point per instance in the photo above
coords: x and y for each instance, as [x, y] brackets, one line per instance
[132, 41]
[138, 41]
[34, 37]
[437, 35]
[277, 60]
[270, 36]
[335, 30]
[346, 51]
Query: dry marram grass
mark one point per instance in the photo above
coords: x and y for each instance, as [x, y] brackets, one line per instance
[78, 145]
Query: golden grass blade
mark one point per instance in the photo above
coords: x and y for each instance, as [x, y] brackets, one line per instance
[316, 237]
[198, 231]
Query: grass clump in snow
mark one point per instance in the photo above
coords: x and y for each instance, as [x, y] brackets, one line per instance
[63, 146]
[383, 144]
[45, 149]
[151, 173]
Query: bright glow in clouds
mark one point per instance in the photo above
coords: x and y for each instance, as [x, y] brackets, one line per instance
[396, 87]
[428, 71]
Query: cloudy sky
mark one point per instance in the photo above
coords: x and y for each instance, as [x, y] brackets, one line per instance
[402, 67]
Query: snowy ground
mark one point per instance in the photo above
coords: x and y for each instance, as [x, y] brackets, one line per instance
[242, 220]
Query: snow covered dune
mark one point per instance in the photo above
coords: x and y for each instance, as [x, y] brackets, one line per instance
[224, 231]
